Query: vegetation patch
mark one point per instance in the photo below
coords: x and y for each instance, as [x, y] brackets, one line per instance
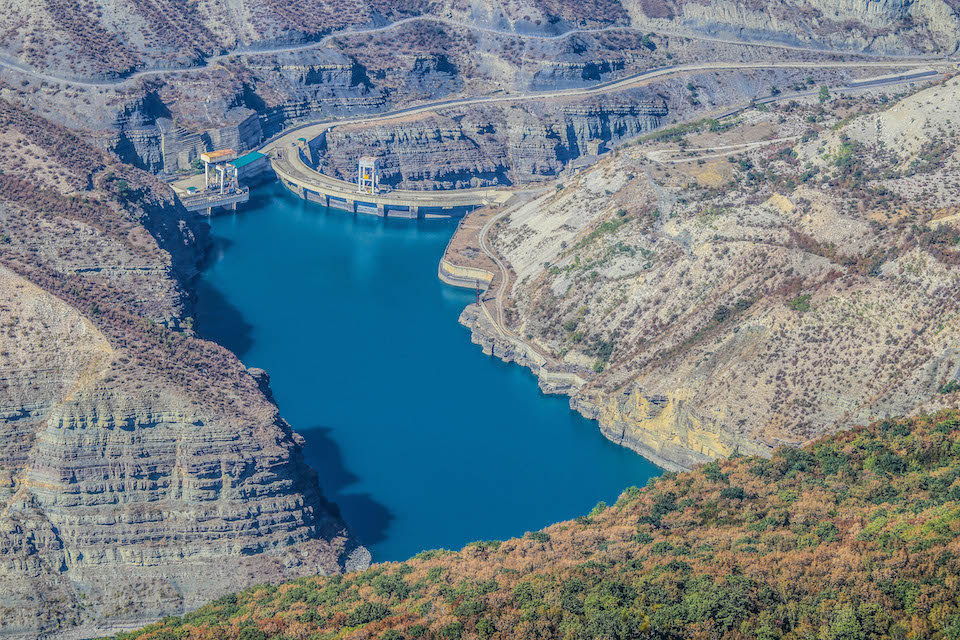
[849, 538]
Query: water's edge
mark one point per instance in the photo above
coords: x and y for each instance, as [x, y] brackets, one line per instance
[429, 446]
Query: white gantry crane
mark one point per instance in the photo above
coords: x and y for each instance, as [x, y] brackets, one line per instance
[368, 175]
[227, 172]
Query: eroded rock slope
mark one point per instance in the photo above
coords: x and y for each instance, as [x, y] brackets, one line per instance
[748, 287]
[114, 37]
[142, 470]
[242, 74]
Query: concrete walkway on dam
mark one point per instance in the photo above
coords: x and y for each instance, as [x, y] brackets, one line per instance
[312, 185]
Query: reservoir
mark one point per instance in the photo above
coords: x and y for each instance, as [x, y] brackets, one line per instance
[421, 439]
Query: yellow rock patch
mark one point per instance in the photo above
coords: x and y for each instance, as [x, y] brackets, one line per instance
[781, 203]
[712, 174]
[666, 424]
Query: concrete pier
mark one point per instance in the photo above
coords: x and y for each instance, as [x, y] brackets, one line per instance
[207, 202]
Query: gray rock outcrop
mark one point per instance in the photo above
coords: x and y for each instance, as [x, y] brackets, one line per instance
[143, 471]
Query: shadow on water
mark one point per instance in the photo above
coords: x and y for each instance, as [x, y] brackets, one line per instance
[215, 251]
[368, 519]
[219, 321]
[419, 439]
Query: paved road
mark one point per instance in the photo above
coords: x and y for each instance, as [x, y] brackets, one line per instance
[290, 161]
[853, 86]
[19, 67]
[498, 321]
[312, 130]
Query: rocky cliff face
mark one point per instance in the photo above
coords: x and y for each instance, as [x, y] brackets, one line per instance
[142, 470]
[527, 142]
[488, 146]
[116, 37]
[887, 26]
[750, 294]
[163, 121]
[168, 124]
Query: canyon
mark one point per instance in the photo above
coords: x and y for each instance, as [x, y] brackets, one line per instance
[700, 287]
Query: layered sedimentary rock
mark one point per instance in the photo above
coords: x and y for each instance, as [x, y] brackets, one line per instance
[488, 146]
[142, 470]
[162, 121]
[526, 142]
[120, 36]
[680, 558]
[889, 26]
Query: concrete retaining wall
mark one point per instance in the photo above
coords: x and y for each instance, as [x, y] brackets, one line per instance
[368, 208]
[466, 277]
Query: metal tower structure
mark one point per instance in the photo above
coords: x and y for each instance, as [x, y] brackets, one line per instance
[368, 175]
[228, 178]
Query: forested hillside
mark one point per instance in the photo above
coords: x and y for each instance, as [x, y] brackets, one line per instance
[853, 537]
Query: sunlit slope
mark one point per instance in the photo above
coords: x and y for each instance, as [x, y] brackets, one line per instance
[854, 536]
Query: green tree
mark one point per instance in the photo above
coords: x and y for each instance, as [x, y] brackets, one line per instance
[846, 625]
[391, 585]
[801, 303]
[252, 633]
[485, 628]
[367, 612]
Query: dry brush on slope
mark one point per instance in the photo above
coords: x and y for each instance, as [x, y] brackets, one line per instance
[141, 468]
[747, 296]
[851, 538]
[111, 37]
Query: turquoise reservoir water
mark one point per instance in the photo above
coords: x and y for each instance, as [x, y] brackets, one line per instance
[422, 440]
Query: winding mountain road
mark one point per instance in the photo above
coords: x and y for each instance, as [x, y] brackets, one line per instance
[498, 321]
[314, 129]
[246, 51]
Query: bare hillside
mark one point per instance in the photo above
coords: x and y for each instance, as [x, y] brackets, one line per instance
[739, 286]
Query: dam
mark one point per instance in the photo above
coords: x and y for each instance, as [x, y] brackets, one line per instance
[287, 163]
[296, 175]
[284, 155]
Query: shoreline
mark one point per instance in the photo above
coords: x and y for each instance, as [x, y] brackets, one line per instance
[356, 555]
[676, 442]
[463, 265]
[563, 435]
[466, 263]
